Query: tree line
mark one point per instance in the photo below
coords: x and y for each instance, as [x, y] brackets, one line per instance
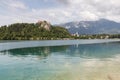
[98, 36]
[32, 31]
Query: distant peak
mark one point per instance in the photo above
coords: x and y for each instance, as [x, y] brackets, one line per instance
[103, 19]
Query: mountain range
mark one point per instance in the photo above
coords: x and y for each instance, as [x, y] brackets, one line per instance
[101, 26]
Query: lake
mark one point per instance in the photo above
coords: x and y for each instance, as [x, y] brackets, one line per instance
[60, 60]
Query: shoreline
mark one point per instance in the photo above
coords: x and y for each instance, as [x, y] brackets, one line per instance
[36, 43]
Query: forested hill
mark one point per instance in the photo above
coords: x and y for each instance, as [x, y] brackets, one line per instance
[32, 31]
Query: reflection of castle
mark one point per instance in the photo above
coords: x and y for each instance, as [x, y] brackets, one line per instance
[45, 52]
[36, 51]
[83, 50]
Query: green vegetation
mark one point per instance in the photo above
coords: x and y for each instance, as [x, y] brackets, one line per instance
[97, 36]
[38, 31]
[44, 31]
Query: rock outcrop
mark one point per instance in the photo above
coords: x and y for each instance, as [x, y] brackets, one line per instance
[44, 24]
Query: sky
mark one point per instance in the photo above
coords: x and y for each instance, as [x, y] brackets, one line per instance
[57, 11]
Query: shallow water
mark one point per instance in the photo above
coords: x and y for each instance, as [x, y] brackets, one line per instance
[99, 61]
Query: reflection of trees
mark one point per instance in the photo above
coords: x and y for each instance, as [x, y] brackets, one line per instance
[84, 50]
[37, 51]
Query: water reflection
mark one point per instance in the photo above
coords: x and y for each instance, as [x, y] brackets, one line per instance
[37, 51]
[105, 50]
[75, 62]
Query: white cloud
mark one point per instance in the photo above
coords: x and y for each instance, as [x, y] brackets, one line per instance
[84, 10]
[86, 15]
[13, 4]
[17, 4]
[72, 10]
[63, 1]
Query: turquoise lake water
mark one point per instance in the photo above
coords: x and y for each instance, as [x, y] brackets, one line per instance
[50, 61]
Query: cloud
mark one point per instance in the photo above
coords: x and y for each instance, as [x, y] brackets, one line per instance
[75, 10]
[63, 1]
[13, 4]
[17, 4]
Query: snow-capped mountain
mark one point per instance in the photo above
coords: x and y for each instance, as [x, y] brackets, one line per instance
[102, 26]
